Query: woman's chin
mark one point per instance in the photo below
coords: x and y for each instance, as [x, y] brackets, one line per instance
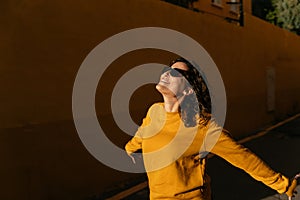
[163, 89]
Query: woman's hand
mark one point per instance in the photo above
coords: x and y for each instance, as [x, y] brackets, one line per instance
[291, 189]
[135, 156]
[132, 158]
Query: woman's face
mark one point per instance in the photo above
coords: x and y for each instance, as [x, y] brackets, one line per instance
[170, 85]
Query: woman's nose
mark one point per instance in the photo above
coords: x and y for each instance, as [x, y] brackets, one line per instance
[167, 73]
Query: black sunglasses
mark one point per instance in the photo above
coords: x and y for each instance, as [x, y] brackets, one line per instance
[174, 72]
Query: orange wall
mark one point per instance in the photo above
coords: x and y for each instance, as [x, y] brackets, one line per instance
[43, 44]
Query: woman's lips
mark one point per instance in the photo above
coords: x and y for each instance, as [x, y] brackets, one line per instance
[164, 81]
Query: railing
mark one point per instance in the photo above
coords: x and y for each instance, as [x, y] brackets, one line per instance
[189, 4]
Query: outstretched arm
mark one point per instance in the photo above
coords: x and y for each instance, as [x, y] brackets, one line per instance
[244, 159]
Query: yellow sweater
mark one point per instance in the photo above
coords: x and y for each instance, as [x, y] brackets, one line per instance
[173, 156]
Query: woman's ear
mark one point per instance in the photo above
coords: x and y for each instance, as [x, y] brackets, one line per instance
[188, 91]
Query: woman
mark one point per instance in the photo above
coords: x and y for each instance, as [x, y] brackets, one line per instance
[172, 138]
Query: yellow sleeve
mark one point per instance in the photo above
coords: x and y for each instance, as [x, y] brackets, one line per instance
[243, 158]
[136, 142]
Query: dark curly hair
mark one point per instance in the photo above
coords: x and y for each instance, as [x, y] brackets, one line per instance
[195, 109]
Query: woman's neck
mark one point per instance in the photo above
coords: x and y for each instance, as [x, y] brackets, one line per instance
[171, 103]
